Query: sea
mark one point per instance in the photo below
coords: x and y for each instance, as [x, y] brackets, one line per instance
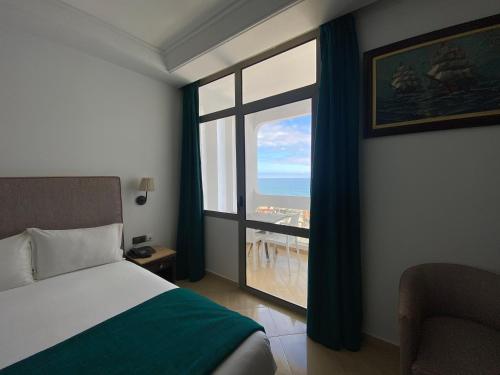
[297, 187]
[483, 97]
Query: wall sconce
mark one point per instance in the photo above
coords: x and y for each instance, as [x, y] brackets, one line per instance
[147, 184]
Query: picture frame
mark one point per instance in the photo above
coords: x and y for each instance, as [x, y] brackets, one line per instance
[445, 79]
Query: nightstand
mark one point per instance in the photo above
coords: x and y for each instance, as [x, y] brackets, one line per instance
[162, 262]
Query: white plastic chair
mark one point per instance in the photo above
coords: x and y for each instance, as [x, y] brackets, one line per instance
[256, 238]
[278, 239]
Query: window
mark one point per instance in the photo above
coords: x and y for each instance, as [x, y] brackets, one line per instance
[218, 165]
[278, 163]
[277, 171]
[287, 71]
[256, 122]
[217, 95]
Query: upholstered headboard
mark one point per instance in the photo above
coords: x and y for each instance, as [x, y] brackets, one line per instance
[58, 203]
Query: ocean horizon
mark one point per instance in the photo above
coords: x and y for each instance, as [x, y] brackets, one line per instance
[297, 187]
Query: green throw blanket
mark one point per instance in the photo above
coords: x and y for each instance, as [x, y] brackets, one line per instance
[177, 332]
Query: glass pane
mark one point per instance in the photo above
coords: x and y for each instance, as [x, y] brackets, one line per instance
[287, 71]
[217, 95]
[278, 164]
[277, 264]
[218, 164]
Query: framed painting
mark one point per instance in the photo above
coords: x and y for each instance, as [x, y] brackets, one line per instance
[446, 79]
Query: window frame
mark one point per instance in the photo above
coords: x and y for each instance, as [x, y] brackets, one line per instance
[239, 111]
[200, 124]
[213, 80]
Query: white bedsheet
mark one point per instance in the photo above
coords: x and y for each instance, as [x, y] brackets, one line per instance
[39, 315]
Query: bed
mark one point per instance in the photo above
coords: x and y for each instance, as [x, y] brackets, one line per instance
[38, 316]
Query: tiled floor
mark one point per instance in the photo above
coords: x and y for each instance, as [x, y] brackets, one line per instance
[293, 351]
[282, 276]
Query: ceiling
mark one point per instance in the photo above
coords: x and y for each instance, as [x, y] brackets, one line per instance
[156, 22]
[178, 41]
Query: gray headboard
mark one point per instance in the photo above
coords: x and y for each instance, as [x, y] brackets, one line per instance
[58, 203]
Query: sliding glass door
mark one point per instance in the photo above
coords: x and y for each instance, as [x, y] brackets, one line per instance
[278, 179]
[256, 127]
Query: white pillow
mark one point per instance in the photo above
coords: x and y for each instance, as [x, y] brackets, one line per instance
[15, 261]
[61, 251]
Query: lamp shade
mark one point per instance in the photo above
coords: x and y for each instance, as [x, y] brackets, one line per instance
[147, 184]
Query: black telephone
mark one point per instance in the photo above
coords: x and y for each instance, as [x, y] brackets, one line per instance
[141, 252]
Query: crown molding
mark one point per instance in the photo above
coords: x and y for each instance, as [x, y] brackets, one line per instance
[288, 24]
[238, 31]
[220, 28]
[105, 24]
[183, 37]
[61, 23]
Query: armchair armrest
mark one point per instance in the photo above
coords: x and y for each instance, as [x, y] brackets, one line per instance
[412, 303]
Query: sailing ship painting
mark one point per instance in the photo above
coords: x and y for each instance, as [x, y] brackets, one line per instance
[451, 69]
[442, 80]
[405, 80]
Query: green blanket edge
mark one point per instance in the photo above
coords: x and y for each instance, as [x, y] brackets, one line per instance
[177, 332]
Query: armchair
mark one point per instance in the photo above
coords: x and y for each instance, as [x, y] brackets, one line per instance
[449, 317]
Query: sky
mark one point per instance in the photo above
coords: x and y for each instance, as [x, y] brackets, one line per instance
[284, 148]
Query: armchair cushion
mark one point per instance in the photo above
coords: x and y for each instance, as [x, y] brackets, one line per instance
[453, 346]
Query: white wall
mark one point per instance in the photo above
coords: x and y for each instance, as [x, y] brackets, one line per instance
[426, 197]
[221, 247]
[65, 113]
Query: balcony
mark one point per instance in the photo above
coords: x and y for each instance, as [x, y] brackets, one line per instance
[277, 263]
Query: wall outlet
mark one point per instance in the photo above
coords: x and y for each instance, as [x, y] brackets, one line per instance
[139, 239]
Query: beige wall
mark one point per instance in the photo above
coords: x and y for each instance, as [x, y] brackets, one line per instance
[65, 113]
[426, 197]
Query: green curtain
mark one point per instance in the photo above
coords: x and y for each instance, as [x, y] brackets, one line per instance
[190, 231]
[334, 295]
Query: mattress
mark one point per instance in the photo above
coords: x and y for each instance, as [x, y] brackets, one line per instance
[39, 315]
